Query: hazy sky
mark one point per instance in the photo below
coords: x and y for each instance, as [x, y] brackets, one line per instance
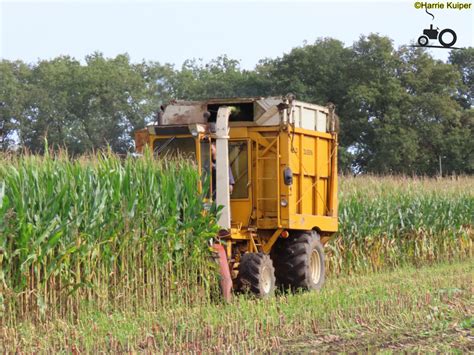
[174, 31]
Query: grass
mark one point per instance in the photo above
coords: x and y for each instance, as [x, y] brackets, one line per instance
[410, 309]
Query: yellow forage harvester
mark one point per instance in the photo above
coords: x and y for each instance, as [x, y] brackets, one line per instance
[270, 165]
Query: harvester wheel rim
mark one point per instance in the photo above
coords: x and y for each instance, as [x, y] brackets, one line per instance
[315, 266]
[266, 280]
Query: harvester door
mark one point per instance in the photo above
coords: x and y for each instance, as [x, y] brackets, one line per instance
[240, 169]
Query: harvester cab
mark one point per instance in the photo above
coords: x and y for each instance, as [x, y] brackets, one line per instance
[279, 157]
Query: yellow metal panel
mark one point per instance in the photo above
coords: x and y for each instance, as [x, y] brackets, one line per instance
[333, 202]
[294, 153]
[307, 197]
[321, 198]
[308, 222]
[311, 133]
[240, 211]
[312, 193]
[296, 193]
[323, 157]
[308, 155]
[285, 191]
[314, 180]
[238, 132]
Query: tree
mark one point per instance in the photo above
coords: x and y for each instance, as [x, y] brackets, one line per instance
[464, 62]
[13, 95]
[372, 120]
[316, 72]
[46, 111]
[114, 101]
[401, 111]
[81, 107]
[432, 110]
[221, 77]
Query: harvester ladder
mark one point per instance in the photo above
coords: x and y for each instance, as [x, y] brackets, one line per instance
[267, 150]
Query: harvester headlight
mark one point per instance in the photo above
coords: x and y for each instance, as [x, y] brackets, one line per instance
[283, 202]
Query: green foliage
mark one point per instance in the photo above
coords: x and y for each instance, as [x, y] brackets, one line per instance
[101, 229]
[402, 112]
[392, 221]
[14, 93]
[80, 107]
[464, 62]
[316, 73]
[221, 77]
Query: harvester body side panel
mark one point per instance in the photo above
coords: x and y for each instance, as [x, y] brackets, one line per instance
[311, 201]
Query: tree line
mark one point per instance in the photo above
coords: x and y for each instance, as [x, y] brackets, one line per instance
[401, 111]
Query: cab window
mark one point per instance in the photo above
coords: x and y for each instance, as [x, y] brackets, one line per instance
[238, 160]
[174, 147]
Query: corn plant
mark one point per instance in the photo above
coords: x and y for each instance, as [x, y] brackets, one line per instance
[98, 229]
[390, 221]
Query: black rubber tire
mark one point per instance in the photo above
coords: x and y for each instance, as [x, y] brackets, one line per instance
[256, 275]
[453, 41]
[292, 261]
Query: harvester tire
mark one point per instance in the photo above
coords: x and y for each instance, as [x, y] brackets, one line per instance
[299, 261]
[256, 275]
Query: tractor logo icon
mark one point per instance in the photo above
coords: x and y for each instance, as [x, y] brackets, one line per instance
[435, 34]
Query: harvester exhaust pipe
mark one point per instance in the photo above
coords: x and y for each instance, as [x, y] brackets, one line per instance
[222, 166]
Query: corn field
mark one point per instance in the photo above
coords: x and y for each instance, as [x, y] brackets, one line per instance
[132, 233]
[118, 234]
[392, 221]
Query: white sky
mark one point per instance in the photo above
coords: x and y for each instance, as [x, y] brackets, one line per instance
[170, 32]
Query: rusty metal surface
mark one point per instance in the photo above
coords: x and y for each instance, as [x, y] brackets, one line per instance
[141, 139]
[224, 271]
[267, 111]
[184, 113]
